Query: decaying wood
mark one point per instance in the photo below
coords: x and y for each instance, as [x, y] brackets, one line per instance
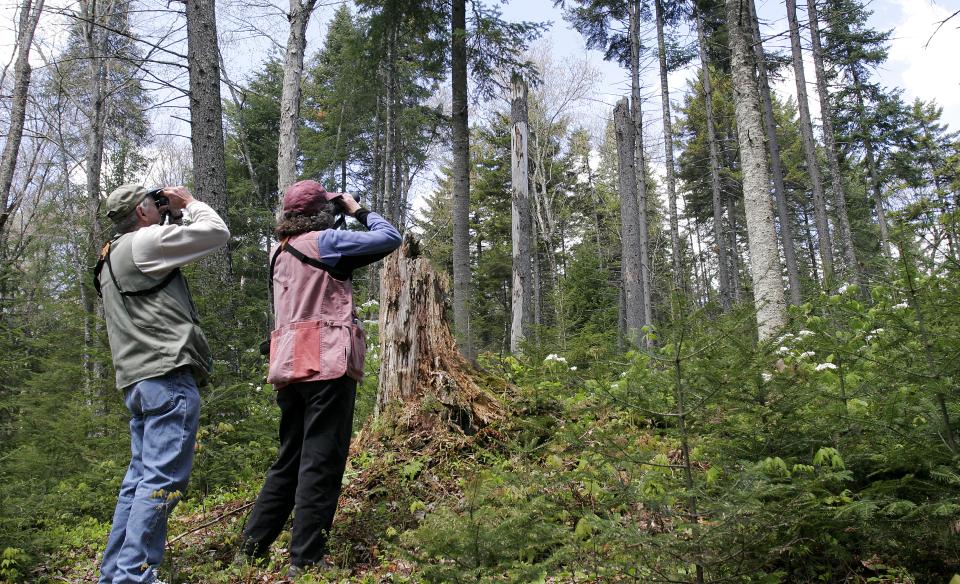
[420, 363]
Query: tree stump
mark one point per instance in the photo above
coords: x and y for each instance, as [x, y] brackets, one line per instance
[424, 379]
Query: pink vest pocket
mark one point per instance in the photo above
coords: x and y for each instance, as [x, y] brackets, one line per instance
[358, 349]
[308, 351]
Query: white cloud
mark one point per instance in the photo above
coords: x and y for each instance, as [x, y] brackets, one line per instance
[928, 71]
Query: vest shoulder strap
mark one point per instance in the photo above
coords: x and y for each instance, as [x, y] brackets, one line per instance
[313, 262]
[105, 259]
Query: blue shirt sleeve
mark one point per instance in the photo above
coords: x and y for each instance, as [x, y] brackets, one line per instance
[349, 250]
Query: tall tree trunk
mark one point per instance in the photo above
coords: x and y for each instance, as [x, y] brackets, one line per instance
[776, 165]
[871, 161]
[206, 120]
[389, 134]
[520, 222]
[287, 146]
[677, 260]
[640, 166]
[461, 178]
[830, 145]
[631, 265]
[824, 242]
[761, 235]
[92, 16]
[29, 17]
[722, 265]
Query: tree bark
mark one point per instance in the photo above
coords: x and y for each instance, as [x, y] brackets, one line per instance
[206, 120]
[631, 265]
[776, 165]
[92, 16]
[640, 182]
[419, 356]
[761, 235]
[520, 222]
[29, 17]
[830, 145]
[461, 179]
[722, 264]
[824, 242]
[389, 134]
[675, 249]
[287, 146]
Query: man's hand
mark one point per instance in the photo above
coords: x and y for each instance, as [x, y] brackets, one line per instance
[348, 204]
[179, 198]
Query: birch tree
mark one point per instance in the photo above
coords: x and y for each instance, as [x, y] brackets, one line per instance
[776, 163]
[762, 238]
[27, 25]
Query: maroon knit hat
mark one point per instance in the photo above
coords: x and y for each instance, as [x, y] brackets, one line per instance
[307, 197]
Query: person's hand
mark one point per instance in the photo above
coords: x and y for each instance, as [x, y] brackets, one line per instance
[179, 198]
[349, 205]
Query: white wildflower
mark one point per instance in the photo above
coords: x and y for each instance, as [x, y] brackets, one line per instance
[574, 368]
[805, 333]
[825, 366]
[614, 386]
[843, 288]
[556, 358]
[903, 304]
[369, 303]
[806, 354]
[783, 350]
[258, 388]
[786, 337]
[766, 376]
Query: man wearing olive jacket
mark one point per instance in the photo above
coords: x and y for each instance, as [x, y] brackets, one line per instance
[160, 356]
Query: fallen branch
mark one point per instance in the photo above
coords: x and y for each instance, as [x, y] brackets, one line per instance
[208, 524]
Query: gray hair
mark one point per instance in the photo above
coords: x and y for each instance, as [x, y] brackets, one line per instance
[129, 223]
[295, 223]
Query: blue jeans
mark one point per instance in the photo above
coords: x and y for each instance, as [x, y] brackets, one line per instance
[165, 412]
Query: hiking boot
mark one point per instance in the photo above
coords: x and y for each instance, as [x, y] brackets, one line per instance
[296, 571]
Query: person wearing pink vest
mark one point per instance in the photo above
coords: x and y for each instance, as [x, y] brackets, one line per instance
[316, 359]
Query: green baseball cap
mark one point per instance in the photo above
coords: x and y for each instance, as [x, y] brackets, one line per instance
[124, 199]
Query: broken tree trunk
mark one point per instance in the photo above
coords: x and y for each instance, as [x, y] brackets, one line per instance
[420, 362]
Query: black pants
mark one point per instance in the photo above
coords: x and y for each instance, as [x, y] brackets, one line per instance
[316, 421]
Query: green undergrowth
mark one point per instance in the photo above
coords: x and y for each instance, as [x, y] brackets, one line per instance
[819, 457]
